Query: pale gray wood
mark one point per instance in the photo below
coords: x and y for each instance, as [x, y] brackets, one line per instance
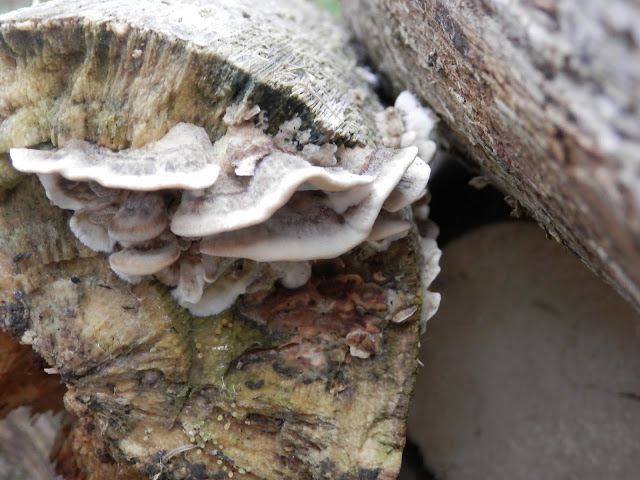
[122, 73]
[542, 95]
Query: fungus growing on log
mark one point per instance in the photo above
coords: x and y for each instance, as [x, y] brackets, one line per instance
[247, 195]
[236, 153]
[181, 197]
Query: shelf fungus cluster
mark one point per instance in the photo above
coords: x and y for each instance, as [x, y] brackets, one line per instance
[225, 266]
[215, 220]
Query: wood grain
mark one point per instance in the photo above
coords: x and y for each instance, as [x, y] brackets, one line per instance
[542, 96]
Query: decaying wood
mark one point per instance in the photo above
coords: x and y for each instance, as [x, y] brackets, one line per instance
[543, 96]
[80, 453]
[121, 74]
[267, 389]
[22, 377]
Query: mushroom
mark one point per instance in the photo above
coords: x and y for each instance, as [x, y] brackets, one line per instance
[258, 170]
[146, 258]
[65, 193]
[418, 124]
[191, 281]
[141, 217]
[390, 226]
[90, 226]
[277, 177]
[248, 195]
[315, 225]
[221, 294]
[180, 159]
[172, 124]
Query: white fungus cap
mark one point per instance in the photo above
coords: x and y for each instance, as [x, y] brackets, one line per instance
[189, 211]
[308, 228]
[180, 159]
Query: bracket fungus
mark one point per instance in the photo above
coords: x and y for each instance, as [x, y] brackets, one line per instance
[183, 199]
[175, 202]
[236, 153]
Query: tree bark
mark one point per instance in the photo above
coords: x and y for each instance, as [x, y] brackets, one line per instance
[311, 382]
[543, 97]
[267, 387]
[22, 378]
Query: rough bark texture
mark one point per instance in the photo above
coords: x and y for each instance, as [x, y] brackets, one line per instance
[542, 95]
[122, 73]
[266, 387]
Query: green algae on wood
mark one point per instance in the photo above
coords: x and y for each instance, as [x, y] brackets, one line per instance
[146, 379]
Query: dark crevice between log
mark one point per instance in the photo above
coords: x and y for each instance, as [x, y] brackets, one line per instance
[457, 207]
[413, 465]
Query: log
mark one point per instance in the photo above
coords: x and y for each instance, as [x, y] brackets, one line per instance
[267, 387]
[296, 365]
[530, 366]
[543, 98]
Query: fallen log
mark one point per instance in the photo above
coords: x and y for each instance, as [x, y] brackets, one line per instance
[542, 96]
[530, 366]
[267, 387]
[277, 343]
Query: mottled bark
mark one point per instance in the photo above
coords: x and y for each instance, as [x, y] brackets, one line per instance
[275, 387]
[543, 97]
[267, 387]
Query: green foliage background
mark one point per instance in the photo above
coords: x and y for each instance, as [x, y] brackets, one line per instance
[331, 5]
